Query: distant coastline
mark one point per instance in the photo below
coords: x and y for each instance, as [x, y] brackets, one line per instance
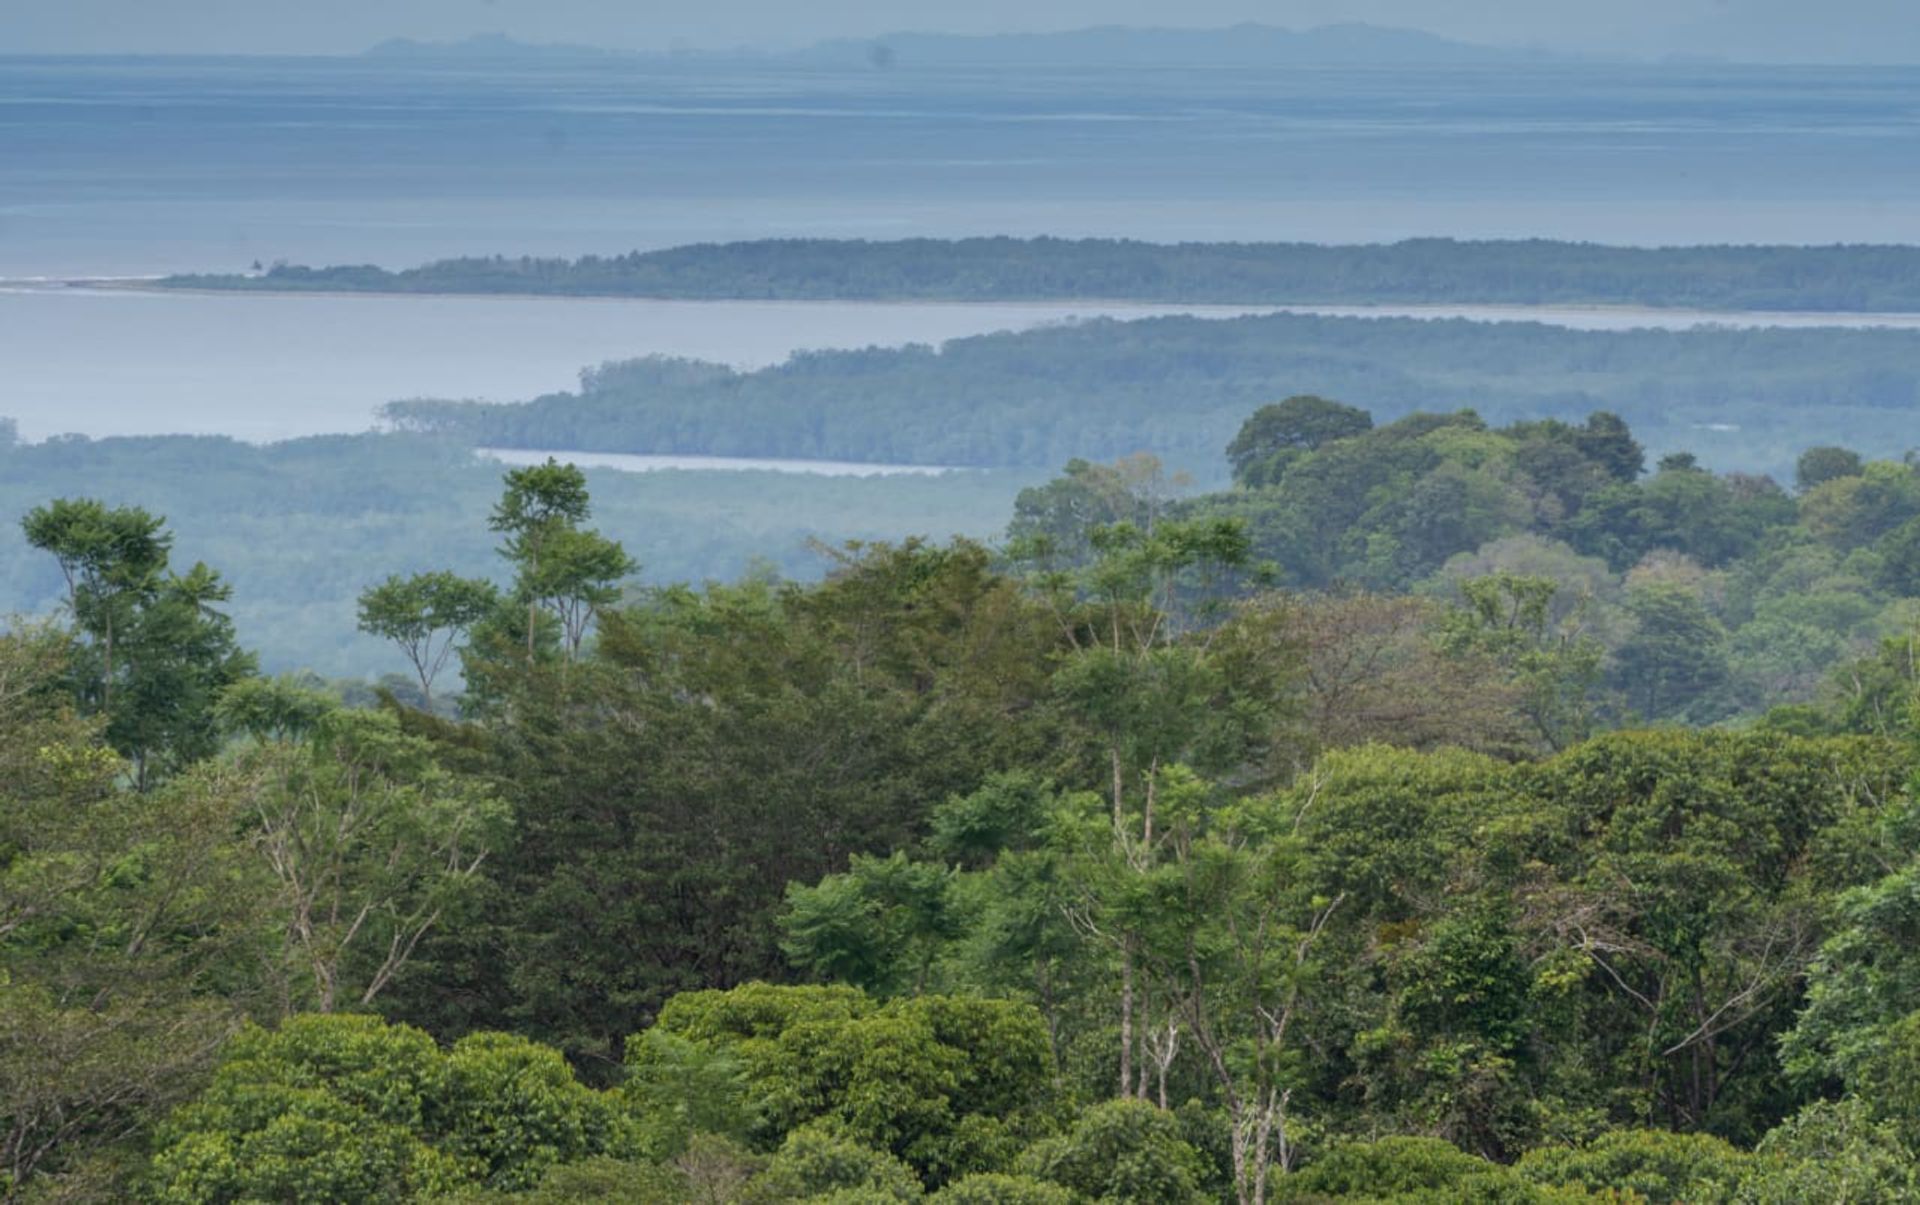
[1591, 316]
[1248, 43]
[1860, 279]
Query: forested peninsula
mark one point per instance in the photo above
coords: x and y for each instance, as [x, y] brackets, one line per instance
[1435, 271]
[1180, 386]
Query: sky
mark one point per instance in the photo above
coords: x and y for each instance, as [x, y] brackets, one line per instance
[1761, 30]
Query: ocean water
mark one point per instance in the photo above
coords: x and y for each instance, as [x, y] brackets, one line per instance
[132, 167]
[102, 362]
[135, 166]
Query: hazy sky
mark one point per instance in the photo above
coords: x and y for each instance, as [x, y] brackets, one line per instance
[1828, 30]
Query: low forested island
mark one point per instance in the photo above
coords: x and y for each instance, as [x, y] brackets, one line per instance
[1438, 271]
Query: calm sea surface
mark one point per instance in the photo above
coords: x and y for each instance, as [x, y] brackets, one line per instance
[135, 166]
[131, 167]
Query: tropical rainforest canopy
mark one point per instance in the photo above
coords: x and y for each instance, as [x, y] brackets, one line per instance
[1443, 812]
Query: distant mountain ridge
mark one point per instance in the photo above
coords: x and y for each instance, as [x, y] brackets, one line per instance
[487, 47]
[1246, 44]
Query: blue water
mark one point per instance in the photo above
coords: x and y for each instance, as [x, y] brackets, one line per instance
[134, 166]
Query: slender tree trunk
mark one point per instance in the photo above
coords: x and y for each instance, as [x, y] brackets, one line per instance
[533, 604]
[1146, 817]
[106, 684]
[1237, 1149]
[1049, 1009]
[1126, 1017]
[1145, 1026]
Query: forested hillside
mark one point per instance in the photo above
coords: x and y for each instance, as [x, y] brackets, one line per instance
[1306, 841]
[1002, 269]
[1179, 387]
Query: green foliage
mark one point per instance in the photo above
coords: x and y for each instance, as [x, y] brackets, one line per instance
[300, 528]
[157, 655]
[514, 1109]
[878, 927]
[1056, 520]
[372, 842]
[597, 1179]
[1122, 1152]
[1008, 812]
[347, 1108]
[1817, 466]
[1118, 830]
[1833, 1151]
[325, 1109]
[716, 1170]
[1890, 1080]
[1674, 666]
[989, 269]
[1404, 1170]
[1688, 900]
[947, 1084]
[1269, 440]
[814, 1162]
[414, 612]
[681, 1089]
[654, 838]
[275, 710]
[128, 930]
[1853, 511]
[560, 568]
[998, 1188]
[1899, 553]
[1660, 1167]
[1181, 387]
[1861, 986]
[1511, 619]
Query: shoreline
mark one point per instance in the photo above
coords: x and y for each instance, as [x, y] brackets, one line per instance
[1672, 317]
[151, 285]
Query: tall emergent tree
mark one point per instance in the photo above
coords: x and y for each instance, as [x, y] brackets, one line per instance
[569, 571]
[425, 616]
[1276, 434]
[156, 652]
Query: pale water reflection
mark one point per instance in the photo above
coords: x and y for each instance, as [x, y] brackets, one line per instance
[635, 463]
